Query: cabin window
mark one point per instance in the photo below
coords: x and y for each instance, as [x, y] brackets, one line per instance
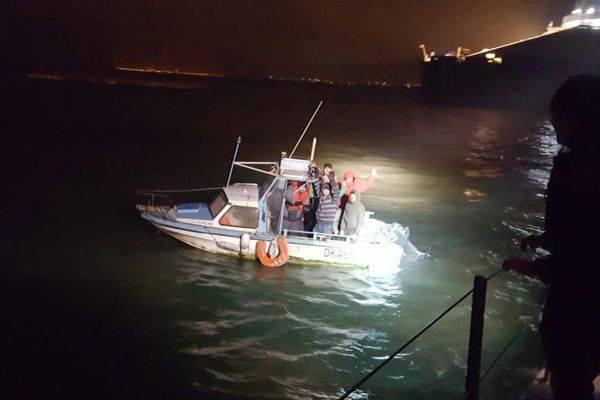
[217, 205]
[240, 217]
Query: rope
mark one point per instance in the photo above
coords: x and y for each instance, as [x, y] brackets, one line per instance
[394, 354]
[512, 341]
[492, 276]
[465, 396]
[421, 332]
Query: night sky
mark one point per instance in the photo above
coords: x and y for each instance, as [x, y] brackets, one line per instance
[330, 39]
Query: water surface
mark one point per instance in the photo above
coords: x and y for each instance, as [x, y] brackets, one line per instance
[99, 305]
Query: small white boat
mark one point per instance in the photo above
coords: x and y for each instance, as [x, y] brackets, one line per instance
[242, 215]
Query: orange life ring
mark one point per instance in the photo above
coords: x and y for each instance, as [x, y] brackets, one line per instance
[263, 256]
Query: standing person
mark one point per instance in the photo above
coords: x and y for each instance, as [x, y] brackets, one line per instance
[327, 208]
[325, 175]
[350, 182]
[353, 215]
[570, 328]
[296, 198]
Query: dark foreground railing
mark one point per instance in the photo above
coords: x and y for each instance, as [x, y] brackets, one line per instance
[474, 376]
[476, 338]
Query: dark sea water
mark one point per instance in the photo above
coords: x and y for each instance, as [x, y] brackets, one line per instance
[96, 304]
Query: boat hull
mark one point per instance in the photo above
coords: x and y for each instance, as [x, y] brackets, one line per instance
[303, 250]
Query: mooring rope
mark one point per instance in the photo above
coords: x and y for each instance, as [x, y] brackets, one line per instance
[499, 356]
[421, 332]
[405, 345]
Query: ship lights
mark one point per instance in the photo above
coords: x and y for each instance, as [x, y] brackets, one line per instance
[571, 24]
[588, 16]
[491, 58]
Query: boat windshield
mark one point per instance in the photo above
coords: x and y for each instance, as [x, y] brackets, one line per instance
[217, 205]
[240, 217]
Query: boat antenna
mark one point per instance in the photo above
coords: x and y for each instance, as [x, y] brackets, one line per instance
[305, 129]
[237, 146]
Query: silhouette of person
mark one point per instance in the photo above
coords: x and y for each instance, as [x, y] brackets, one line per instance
[570, 327]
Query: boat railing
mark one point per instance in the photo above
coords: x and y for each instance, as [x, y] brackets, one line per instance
[474, 376]
[152, 201]
[156, 198]
[318, 236]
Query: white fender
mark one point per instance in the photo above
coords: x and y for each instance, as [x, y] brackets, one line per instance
[244, 244]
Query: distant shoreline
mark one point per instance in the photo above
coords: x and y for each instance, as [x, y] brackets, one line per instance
[191, 80]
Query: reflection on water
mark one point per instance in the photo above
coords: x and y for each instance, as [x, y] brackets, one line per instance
[468, 184]
[313, 331]
[473, 194]
[485, 155]
[279, 320]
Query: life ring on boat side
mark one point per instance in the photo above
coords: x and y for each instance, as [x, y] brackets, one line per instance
[277, 261]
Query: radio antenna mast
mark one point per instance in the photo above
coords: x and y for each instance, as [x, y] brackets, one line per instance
[305, 129]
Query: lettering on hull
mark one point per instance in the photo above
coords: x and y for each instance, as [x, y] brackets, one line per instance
[335, 253]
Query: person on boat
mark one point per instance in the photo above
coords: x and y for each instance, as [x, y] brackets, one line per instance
[353, 215]
[325, 175]
[570, 330]
[327, 208]
[296, 199]
[350, 182]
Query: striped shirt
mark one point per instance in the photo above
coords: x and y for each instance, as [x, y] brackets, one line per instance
[328, 206]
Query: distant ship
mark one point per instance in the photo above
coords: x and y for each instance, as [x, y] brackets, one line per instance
[521, 73]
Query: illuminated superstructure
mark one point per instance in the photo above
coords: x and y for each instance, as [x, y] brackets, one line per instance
[585, 13]
[524, 72]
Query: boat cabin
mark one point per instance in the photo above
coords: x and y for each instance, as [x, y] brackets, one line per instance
[248, 207]
[235, 207]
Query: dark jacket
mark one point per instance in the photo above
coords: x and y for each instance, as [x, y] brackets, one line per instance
[572, 219]
[572, 236]
[317, 184]
[353, 215]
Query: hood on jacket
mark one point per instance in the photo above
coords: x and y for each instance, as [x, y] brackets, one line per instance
[357, 193]
[349, 174]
